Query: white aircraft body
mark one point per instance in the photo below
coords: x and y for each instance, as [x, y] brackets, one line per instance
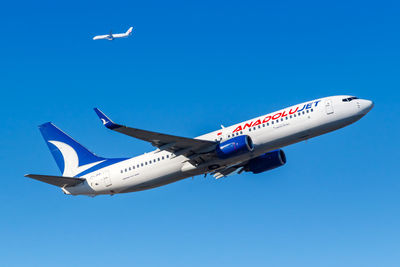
[250, 146]
[113, 36]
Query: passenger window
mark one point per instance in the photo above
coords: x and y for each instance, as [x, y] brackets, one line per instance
[303, 112]
[142, 164]
[167, 156]
[158, 159]
[133, 167]
[286, 118]
[122, 171]
[294, 115]
[312, 110]
[290, 116]
[249, 129]
[162, 157]
[241, 132]
[259, 126]
[126, 170]
[267, 124]
[145, 163]
[130, 168]
[263, 125]
[272, 122]
[308, 111]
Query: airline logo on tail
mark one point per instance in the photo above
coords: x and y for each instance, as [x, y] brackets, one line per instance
[71, 159]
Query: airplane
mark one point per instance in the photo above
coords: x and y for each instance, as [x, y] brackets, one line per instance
[251, 146]
[113, 36]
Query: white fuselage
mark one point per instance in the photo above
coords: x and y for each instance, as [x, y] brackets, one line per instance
[268, 132]
[113, 36]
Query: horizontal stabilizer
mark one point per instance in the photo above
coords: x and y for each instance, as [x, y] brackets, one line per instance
[59, 181]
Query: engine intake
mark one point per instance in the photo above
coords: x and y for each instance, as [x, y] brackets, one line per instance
[234, 147]
[266, 162]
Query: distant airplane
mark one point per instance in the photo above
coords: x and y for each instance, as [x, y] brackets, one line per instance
[249, 146]
[112, 36]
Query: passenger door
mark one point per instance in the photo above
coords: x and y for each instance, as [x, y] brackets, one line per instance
[328, 106]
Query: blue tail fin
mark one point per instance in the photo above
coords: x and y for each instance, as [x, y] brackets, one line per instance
[71, 157]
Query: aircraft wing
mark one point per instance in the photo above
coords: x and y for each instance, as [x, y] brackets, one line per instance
[175, 144]
[59, 181]
[228, 170]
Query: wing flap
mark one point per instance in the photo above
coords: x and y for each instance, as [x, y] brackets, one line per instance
[224, 172]
[59, 181]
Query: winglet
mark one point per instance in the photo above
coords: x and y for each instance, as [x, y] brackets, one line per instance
[106, 120]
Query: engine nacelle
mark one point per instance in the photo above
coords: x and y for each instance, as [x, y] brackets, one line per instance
[234, 147]
[266, 162]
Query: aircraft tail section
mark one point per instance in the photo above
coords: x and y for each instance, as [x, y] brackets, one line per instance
[71, 157]
[129, 31]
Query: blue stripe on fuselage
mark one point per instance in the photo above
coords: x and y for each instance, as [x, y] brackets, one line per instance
[99, 166]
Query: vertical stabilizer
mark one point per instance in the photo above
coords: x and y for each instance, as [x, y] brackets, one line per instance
[129, 31]
[71, 157]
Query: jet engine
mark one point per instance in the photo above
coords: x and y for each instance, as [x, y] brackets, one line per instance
[234, 147]
[266, 162]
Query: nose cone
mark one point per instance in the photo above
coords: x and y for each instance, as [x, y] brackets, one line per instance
[366, 106]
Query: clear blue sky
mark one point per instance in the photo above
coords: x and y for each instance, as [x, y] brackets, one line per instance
[189, 67]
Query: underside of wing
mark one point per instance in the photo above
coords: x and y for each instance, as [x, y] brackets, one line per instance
[228, 170]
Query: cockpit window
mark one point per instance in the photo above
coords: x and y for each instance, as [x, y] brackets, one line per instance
[349, 99]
